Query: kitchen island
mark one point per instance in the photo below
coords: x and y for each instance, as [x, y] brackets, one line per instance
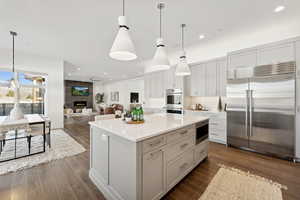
[145, 161]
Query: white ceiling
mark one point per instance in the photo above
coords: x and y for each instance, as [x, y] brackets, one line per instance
[81, 32]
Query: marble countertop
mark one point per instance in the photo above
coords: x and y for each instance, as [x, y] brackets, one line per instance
[155, 124]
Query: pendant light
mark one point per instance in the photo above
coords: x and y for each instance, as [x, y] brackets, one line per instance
[123, 48]
[13, 81]
[182, 68]
[16, 113]
[160, 60]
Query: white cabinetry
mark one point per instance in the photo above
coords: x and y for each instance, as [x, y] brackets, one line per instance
[208, 79]
[99, 162]
[198, 82]
[242, 59]
[217, 128]
[221, 77]
[277, 53]
[298, 100]
[154, 85]
[211, 78]
[153, 173]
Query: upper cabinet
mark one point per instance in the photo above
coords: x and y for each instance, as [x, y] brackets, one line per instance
[222, 77]
[207, 79]
[276, 54]
[298, 58]
[246, 59]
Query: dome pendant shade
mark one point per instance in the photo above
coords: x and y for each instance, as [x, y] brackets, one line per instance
[183, 68]
[123, 48]
[160, 60]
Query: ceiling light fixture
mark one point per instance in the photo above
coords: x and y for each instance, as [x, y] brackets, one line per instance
[201, 37]
[16, 113]
[123, 48]
[279, 8]
[182, 68]
[160, 60]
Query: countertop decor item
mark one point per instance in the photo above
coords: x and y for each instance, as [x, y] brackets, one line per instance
[160, 60]
[135, 122]
[123, 48]
[182, 68]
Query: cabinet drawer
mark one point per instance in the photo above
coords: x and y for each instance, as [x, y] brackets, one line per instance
[181, 134]
[153, 143]
[177, 170]
[176, 149]
[201, 151]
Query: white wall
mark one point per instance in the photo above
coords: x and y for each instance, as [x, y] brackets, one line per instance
[124, 88]
[54, 102]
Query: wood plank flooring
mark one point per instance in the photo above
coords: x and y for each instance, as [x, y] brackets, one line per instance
[68, 178]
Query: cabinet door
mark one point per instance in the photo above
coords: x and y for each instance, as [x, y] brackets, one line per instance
[169, 79]
[201, 83]
[221, 77]
[298, 58]
[211, 78]
[276, 54]
[99, 160]
[194, 81]
[198, 80]
[242, 60]
[153, 175]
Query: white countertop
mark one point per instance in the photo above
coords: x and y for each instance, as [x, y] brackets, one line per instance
[155, 124]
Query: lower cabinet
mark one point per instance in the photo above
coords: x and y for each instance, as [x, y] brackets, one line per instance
[218, 128]
[153, 175]
[177, 169]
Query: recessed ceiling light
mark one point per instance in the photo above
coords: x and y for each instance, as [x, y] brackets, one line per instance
[105, 73]
[78, 68]
[69, 74]
[279, 9]
[201, 37]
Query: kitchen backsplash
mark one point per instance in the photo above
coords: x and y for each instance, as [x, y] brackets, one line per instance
[210, 103]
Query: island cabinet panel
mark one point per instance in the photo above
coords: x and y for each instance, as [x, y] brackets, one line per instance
[99, 161]
[153, 143]
[201, 152]
[176, 149]
[177, 169]
[153, 175]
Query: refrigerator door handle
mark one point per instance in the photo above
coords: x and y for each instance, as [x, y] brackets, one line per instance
[246, 112]
[250, 112]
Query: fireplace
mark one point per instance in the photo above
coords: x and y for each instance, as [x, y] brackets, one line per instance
[80, 104]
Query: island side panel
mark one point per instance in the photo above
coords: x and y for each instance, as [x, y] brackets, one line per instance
[123, 168]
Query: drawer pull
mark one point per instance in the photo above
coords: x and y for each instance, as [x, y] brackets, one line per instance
[183, 145]
[154, 155]
[202, 152]
[182, 167]
[183, 132]
[153, 144]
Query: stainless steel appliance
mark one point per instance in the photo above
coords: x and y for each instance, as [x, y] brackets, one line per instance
[201, 131]
[174, 101]
[261, 109]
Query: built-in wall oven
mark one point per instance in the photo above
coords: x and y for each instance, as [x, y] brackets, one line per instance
[174, 101]
[202, 131]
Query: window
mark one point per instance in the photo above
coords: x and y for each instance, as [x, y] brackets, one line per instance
[32, 92]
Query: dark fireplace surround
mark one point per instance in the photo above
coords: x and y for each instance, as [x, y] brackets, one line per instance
[78, 102]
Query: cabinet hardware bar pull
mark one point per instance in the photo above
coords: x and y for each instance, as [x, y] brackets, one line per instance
[184, 145]
[183, 132]
[155, 143]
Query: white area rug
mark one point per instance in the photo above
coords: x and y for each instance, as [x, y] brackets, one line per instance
[62, 145]
[234, 184]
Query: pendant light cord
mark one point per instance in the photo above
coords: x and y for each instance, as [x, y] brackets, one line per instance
[13, 34]
[182, 36]
[123, 9]
[160, 23]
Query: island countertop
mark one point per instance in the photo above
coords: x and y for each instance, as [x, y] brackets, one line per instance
[155, 124]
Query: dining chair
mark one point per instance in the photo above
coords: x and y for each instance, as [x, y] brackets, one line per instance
[37, 130]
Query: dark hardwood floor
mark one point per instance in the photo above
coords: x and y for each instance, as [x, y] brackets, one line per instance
[68, 178]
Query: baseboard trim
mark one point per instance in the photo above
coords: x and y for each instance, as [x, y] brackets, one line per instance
[104, 188]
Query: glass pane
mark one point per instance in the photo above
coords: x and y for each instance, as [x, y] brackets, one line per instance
[31, 79]
[5, 77]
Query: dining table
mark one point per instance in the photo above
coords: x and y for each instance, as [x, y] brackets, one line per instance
[7, 125]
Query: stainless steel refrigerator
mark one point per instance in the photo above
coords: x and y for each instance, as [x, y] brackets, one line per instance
[261, 109]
